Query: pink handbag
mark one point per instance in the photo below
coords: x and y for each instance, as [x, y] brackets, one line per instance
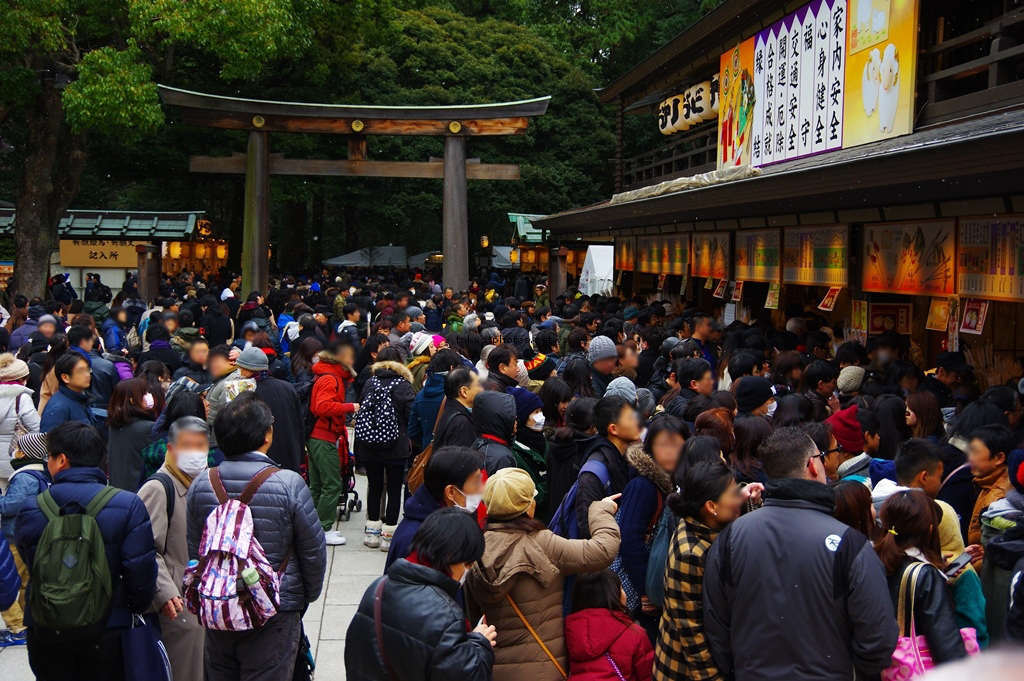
[911, 659]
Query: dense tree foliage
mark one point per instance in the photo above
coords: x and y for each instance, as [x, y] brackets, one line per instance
[78, 101]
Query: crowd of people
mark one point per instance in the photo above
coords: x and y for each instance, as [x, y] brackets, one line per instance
[607, 488]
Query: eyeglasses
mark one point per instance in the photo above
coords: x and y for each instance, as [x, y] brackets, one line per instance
[837, 448]
[819, 455]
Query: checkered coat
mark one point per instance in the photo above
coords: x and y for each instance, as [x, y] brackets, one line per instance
[681, 651]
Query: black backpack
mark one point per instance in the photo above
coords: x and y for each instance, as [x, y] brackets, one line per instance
[305, 391]
[377, 420]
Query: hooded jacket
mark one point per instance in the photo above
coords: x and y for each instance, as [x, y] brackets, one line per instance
[1002, 534]
[426, 635]
[589, 488]
[494, 417]
[114, 338]
[327, 398]
[30, 478]
[284, 521]
[564, 459]
[843, 607]
[595, 634]
[531, 568]
[424, 412]
[20, 335]
[992, 488]
[127, 536]
[417, 508]
[350, 330]
[397, 380]
[194, 371]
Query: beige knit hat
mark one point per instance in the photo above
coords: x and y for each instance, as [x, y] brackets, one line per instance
[509, 493]
[851, 379]
[11, 368]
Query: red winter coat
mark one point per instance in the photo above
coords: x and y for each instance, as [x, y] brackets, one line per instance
[593, 633]
[327, 399]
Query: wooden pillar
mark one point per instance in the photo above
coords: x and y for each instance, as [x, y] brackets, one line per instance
[455, 232]
[256, 223]
[556, 272]
[150, 265]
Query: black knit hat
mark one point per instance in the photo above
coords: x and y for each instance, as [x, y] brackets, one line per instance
[752, 392]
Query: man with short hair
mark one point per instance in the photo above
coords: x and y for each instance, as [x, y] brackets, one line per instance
[72, 402]
[289, 423]
[400, 325]
[160, 348]
[603, 358]
[82, 339]
[287, 527]
[701, 331]
[455, 429]
[452, 477]
[618, 426]
[194, 364]
[350, 326]
[988, 454]
[950, 368]
[820, 589]
[821, 378]
[76, 454]
[502, 368]
[694, 377]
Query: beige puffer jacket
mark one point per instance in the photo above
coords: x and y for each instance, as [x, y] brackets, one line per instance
[531, 567]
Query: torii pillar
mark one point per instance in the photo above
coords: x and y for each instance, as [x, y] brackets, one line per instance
[259, 117]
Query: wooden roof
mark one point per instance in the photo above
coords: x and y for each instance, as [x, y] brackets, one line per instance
[237, 113]
[117, 224]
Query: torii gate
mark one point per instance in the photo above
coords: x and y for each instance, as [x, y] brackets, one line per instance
[260, 117]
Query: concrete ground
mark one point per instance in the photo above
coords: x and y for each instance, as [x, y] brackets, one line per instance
[350, 569]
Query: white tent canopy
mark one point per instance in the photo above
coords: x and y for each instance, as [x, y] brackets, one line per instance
[377, 256]
[598, 272]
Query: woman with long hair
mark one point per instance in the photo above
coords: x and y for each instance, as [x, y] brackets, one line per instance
[642, 503]
[556, 396]
[718, 424]
[891, 411]
[158, 376]
[787, 373]
[854, 507]
[520, 579]
[910, 551]
[565, 449]
[924, 416]
[577, 375]
[49, 384]
[750, 432]
[709, 500]
[130, 418]
[792, 410]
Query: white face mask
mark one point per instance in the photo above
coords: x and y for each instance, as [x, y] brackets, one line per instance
[472, 502]
[771, 409]
[462, 579]
[538, 422]
[192, 463]
[147, 401]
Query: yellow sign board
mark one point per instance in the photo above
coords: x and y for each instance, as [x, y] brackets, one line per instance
[99, 253]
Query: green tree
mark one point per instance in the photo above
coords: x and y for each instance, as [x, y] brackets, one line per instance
[75, 74]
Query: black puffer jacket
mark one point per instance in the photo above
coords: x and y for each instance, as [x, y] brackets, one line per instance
[589, 490]
[397, 380]
[283, 518]
[494, 417]
[934, 612]
[425, 631]
[216, 327]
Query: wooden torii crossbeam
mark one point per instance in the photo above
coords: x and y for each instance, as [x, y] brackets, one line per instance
[260, 117]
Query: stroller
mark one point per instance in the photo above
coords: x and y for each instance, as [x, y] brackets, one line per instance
[349, 500]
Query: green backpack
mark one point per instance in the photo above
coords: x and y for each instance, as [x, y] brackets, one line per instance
[71, 586]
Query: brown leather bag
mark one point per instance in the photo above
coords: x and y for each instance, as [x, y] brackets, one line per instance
[419, 464]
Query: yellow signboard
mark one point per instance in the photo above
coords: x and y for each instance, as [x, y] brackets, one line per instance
[99, 253]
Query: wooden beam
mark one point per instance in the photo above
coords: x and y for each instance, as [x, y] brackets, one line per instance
[235, 165]
[357, 148]
[231, 120]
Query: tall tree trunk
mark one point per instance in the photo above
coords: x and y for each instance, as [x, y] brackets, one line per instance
[54, 159]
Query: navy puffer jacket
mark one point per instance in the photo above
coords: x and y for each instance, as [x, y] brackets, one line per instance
[10, 582]
[127, 534]
[283, 517]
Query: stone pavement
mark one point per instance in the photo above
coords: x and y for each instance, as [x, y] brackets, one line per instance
[350, 569]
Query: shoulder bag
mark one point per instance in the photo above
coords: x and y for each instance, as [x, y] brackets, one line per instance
[538, 639]
[912, 658]
[419, 464]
